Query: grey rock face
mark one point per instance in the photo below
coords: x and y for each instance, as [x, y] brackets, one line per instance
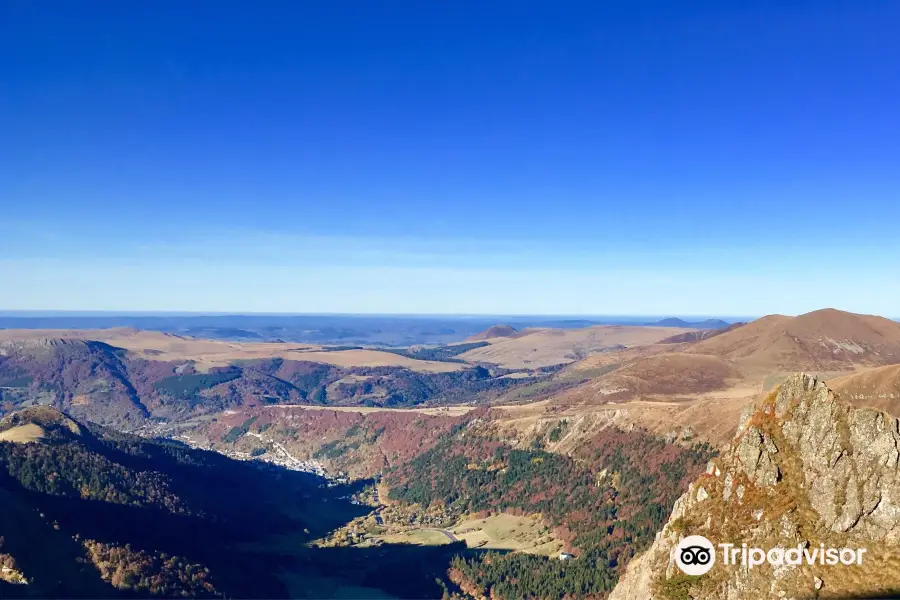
[755, 451]
[843, 463]
[850, 456]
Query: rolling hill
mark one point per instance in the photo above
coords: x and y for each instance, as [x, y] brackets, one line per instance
[620, 425]
[208, 354]
[91, 378]
[672, 374]
[113, 386]
[495, 331]
[698, 388]
[822, 341]
[537, 348]
[696, 336]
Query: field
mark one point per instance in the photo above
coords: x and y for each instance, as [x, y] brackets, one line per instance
[419, 537]
[498, 532]
[206, 354]
[546, 347]
[508, 532]
[22, 434]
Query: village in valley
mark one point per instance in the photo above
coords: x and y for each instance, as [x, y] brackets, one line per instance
[274, 453]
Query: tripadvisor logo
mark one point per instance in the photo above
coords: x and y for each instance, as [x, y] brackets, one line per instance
[696, 555]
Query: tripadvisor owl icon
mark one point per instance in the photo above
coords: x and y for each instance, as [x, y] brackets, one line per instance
[695, 555]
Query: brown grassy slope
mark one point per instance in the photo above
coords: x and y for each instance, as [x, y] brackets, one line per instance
[703, 334]
[23, 434]
[875, 388]
[546, 347]
[653, 387]
[824, 340]
[673, 374]
[607, 361]
[703, 386]
[710, 417]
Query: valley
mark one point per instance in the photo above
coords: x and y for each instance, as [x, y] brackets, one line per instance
[449, 300]
[558, 453]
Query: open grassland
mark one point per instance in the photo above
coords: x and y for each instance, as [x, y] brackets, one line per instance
[820, 341]
[546, 347]
[710, 416]
[503, 531]
[207, 354]
[508, 532]
[666, 376]
[419, 537]
[23, 434]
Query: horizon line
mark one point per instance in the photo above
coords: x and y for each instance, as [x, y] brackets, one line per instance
[188, 313]
[26, 313]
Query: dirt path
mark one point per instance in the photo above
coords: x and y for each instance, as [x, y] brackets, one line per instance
[450, 410]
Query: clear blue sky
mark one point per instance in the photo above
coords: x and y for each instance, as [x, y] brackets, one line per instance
[618, 157]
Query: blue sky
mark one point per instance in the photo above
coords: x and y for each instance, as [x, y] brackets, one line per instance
[621, 157]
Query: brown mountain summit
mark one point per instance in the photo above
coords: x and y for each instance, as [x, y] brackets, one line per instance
[495, 331]
[824, 340]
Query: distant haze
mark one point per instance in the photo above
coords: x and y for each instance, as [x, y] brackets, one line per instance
[391, 330]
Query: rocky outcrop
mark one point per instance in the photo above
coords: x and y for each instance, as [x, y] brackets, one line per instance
[805, 469]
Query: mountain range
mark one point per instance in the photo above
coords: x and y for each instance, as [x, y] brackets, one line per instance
[367, 330]
[468, 467]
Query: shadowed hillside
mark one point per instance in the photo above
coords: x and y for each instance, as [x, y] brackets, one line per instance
[88, 512]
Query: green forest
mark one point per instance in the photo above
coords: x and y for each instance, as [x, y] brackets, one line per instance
[607, 503]
[439, 353]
